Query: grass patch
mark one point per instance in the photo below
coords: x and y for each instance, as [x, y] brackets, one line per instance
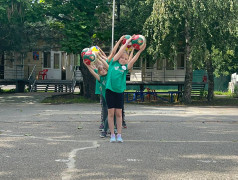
[76, 98]
[217, 101]
[227, 93]
[196, 101]
[7, 91]
[67, 99]
[156, 90]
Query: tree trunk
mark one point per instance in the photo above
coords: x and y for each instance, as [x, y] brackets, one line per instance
[2, 65]
[189, 68]
[88, 83]
[210, 71]
[118, 10]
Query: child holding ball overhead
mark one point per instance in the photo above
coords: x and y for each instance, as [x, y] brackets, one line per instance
[115, 86]
[99, 71]
[104, 114]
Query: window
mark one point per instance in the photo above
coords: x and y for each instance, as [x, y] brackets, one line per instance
[46, 63]
[180, 61]
[169, 65]
[56, 61]
[160, 64]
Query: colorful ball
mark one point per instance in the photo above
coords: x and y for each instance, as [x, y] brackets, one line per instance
[84, 51]
[125, 39]
[137, 41]
[129, 49]
[89, 57]
[94, 49]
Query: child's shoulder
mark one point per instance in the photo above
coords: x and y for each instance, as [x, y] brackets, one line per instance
[112, 62]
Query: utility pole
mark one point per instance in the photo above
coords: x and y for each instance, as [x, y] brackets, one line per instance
[113, 14]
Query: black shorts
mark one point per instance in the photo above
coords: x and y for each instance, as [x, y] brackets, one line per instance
[114, 100]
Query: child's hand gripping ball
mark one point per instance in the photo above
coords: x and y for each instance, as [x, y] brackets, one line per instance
[89, 57]
[84, 51]
[137, 41]
[125, 39]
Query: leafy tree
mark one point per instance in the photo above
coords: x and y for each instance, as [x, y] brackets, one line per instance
[199, 26]
[168, 27]
[23, 23]
[86, 23]
[218, 35]
[130, 16]
[77, 21]
[133, 15]
[12, 24]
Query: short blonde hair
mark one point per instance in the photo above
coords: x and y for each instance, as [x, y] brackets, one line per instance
[101, 67]
[125, 52]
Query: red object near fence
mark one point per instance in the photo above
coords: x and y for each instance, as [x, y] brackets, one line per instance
[204, 78]
[43, 74]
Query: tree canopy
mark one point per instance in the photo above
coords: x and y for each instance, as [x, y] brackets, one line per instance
[207, 28]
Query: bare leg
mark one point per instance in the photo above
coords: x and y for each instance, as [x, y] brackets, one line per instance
[119, 120]
[111, 119]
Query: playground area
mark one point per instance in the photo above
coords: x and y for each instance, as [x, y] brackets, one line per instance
[43, 141]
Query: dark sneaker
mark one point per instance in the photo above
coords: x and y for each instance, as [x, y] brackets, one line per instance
[101, 127]
[124, 124]
[103, 134]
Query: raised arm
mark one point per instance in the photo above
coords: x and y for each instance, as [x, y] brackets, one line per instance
[131, 55]
[134, 59]
[122, 49]
[114, 50]
[103, 62]
[102, 54]
[91, 70]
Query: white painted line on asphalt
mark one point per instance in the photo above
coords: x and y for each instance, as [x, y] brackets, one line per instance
[70, 162]
[68, 173]
[62, 160]
[12, 135]
[49, 139]
[165, 141]
[5, 130]
[127, 140]
[134, 160]
[206, 161]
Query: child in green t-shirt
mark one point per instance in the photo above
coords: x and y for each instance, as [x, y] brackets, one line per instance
[115, 86]
[99, 70]
[104, 111]
[102, 126]
[100, 73]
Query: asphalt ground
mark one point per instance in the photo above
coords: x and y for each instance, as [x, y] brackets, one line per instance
[54, 142]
